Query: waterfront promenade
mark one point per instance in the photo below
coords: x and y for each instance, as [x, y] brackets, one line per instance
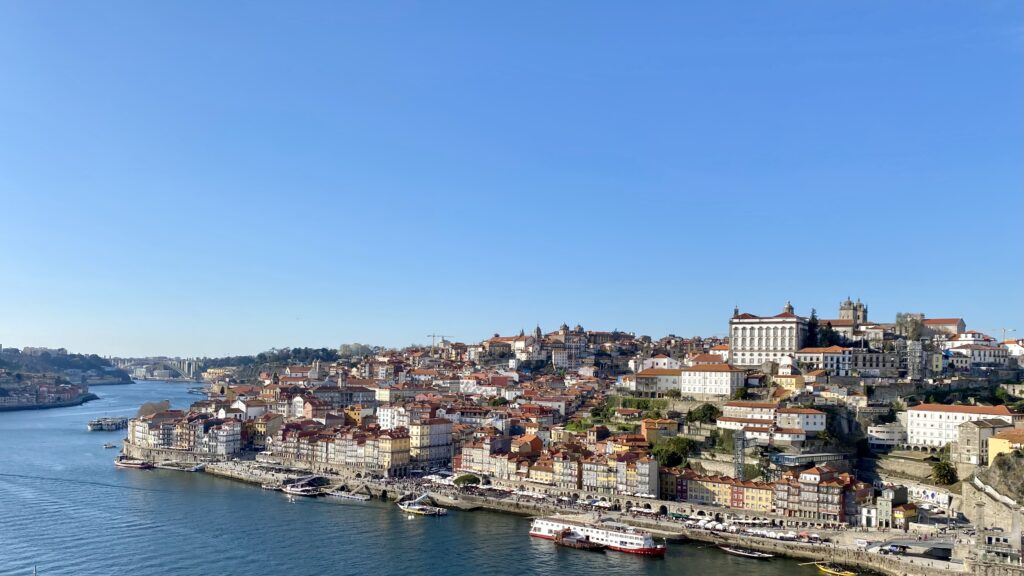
[840, 547]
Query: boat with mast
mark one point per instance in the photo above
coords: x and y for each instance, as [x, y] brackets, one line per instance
[417, 507]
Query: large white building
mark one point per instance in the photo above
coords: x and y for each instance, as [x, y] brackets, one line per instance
[754, 340]
[935, 425]
[703, 380]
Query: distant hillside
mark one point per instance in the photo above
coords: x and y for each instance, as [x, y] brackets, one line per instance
[48, 363]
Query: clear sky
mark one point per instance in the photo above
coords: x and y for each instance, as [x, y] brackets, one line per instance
[209, 178]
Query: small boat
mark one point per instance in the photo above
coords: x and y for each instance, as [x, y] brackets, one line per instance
[109, 445]
[746, 552]
[271, 486]
[347, 495]
[293, 490]
[570, 539]
[833, 569]
[126, 463]
[415, 507]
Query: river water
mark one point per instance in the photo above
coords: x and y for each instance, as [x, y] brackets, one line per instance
[66, 509]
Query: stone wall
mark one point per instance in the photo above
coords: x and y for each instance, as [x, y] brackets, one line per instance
[996, 513]
[163, 455]
[722, 466]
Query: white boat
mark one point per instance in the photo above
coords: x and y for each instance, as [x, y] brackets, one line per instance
[417, 507]
[126, 463]
[293, 490]
[107, 424]
[613, 535]
[109, 445]
[348, 495]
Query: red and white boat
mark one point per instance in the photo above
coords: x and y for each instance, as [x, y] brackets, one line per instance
[613, 535]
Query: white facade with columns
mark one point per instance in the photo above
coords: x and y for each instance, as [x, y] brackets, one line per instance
[754, 340]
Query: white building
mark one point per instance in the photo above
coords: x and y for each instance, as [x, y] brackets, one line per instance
[720, 380]
[661, 361]
[836, 360]
[978, 354]
[935, 425]
[655, 382]
[1015, 348]
[887, 436]
[754, 340]
[807, 419]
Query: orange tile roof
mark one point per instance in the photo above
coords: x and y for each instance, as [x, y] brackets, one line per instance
[1000, 410]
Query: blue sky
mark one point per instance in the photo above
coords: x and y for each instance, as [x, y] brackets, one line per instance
[197, 178]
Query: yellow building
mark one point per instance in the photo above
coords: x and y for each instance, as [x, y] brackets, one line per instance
[903, 515]
[730, 493]
[1004, 443]
[789, 382]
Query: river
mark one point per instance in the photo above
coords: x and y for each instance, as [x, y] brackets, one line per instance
[65, 508]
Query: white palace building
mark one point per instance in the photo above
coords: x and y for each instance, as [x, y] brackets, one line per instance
[754, 340]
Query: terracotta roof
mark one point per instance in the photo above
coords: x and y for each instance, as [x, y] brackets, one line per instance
[836, 322]
[1015, 436]
[1001, 410]
[746, 404]
[821, 350]
[707, 358]
[659, 372]
[720, 367]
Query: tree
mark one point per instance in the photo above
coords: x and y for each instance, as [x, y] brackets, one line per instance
[153, 407]
[1002, 395]
[705, 414]
[811, 336]
[499, 401]
[725, 440]
[825, 437]
[673, 393]
[944, 473]
[466, 479]
[827, 336]
[909, 325]
[739, 394]
[671, 452]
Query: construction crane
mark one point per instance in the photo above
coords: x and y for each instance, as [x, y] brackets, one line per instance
[433, 340]
[1004, 331]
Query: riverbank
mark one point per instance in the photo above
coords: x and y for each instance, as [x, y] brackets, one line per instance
[76, 402]
[474, 498]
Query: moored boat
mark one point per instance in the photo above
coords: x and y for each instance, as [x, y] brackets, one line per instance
[107, 424]
[613, 535]
[109, 445]
[347, 495]
[293, 490]
[123, 462]
[745, 552]
[570, 539]
[417, 507]
[833, 569]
